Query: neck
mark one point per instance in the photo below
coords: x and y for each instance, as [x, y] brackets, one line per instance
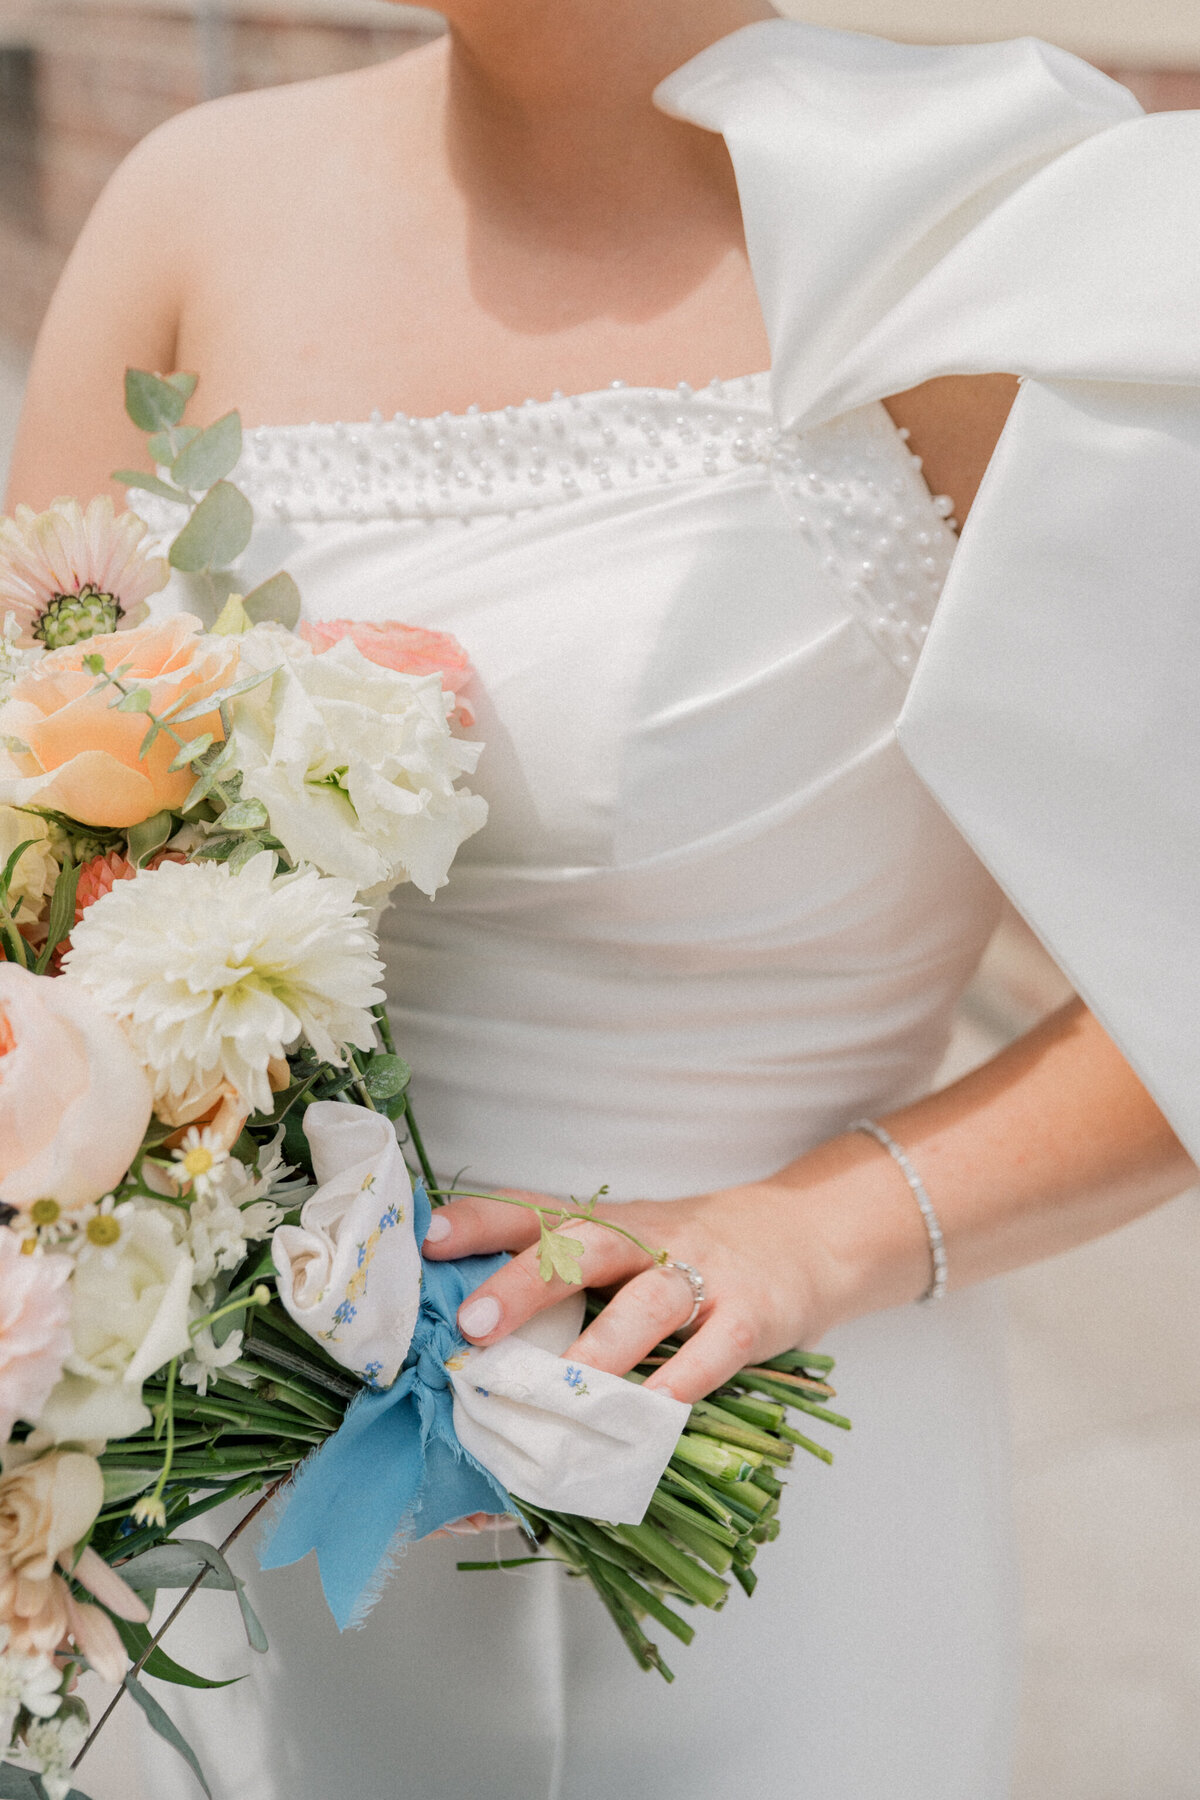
[549, 101]
[528, 57]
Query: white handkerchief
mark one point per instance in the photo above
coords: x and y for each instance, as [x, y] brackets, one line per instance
[350, 1272]
[563, 1435]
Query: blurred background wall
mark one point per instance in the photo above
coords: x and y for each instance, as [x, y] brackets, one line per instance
[1105, 1360]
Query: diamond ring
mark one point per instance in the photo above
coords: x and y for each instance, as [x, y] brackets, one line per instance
[695, 1281]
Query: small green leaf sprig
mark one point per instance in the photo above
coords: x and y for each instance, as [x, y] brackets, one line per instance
[198, 463]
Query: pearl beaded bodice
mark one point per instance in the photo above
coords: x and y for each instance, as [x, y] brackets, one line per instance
[713, 913]
[852, 486]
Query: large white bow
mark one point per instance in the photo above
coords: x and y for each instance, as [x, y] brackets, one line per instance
[558, 1434]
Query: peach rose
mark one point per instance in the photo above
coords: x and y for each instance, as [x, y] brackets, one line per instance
[81, 756]
[74, 1099]
[35, 1329]
[46, 1506]
[410, 649]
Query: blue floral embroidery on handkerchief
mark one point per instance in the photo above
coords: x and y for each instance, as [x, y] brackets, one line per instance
[574, 1380]
[395, 1470]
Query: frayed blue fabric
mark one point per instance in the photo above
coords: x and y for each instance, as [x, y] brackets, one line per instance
[394, 1470]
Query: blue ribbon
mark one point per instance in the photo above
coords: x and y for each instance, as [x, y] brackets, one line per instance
[394, 1470]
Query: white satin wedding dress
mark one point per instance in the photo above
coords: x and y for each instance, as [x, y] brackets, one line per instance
[714, 916]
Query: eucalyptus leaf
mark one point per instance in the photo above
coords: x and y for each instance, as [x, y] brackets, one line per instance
[233, 620]
[194, 748]
[148, 837]
[150, 739]
[165, 446]
[210, 456]
[243, 853]
[137, 700]
[256, 1637]
[155, 404]
[247, 815]
[276, 599]
[19, 1784]
[166, 1728]
[200, 707]
[217, 532]
[183, 382]
[123, 1484]
[150, 484]
[176, 1564]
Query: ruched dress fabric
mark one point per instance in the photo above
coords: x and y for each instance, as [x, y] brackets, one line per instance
[715, 915]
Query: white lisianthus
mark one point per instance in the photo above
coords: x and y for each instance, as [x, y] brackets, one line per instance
[355, 764]
[130, 1305]
[213, 975]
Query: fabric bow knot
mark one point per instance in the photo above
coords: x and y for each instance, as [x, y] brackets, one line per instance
[441, 1430]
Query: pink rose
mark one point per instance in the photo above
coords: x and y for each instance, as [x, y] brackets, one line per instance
[74, 1099]
[35, 1330]
[407, 648]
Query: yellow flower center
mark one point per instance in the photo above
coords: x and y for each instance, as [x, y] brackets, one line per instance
[198, 1161]
[44, 1212]
[103, 1230]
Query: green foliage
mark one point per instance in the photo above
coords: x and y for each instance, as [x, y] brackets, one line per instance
[247, 815]
[62, 913]
[217, 532]
[210, 455]
[559, 1255]
[276, 599]
[385, 1077]
[149, 484]
[165, 446]
[136, 1639]
[148, 838]
[166, 1728]
[155, 403]
[124, 1484]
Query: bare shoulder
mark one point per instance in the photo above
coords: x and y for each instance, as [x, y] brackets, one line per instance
[954, 423]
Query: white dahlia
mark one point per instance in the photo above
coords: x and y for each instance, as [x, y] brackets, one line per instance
[213, 974]
[68, 574]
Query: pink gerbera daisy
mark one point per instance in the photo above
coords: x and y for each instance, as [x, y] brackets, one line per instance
[68, 574]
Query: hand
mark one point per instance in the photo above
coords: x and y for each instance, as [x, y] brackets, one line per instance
[782, 1261]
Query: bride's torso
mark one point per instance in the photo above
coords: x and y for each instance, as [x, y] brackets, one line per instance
[713, 913]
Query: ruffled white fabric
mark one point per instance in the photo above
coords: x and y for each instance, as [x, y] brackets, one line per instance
[915, 212]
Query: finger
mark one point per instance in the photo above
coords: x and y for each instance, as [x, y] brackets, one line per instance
[640, 1315]
[477, 1227]
[518, 1291]
[720, 1347]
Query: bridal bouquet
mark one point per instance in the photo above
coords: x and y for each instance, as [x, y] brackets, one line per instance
[210, 1269]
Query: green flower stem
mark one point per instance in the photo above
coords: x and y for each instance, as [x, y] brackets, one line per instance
[745, 1498]
[800, 1361]
[804, 1443]
[380, 1015]
[700, 1494]
[673, 1509]
[293, 1393]
[712, 1419]
[562, 1216]
[279, 1356]
[761, 1385]
[360, 1085]
[155, 1498]
[418, 1144]
[658, 1549]
[260, 1296]
[645, 1600]
[691, 1535]
[713, 1458]
[767, 1415]
[745, 1577]
[623, 1617]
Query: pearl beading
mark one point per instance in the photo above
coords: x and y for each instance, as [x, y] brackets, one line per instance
[851, 487]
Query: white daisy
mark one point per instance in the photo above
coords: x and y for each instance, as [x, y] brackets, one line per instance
[202, 1161]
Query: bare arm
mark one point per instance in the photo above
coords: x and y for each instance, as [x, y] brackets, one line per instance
[116, 305]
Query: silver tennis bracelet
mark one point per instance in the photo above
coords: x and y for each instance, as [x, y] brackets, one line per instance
[937, 1243]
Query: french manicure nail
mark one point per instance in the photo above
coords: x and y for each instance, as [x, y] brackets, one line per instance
[439, 1229]
[479, 1317]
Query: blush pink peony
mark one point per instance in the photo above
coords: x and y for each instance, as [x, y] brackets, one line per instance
[35, 1331]
[74, 1099]
[409, 649]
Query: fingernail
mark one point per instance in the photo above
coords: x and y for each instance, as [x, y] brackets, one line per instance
[439, 1229]
[479, 1317]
